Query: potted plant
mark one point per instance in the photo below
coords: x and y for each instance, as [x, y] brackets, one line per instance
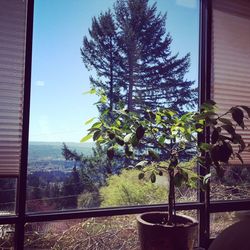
[168, 138]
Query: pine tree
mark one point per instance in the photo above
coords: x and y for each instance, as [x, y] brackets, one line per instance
[101, 53]
[130, 51]
[154, 77]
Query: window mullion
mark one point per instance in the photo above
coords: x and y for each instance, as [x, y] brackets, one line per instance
[21, 188]
[204, 95]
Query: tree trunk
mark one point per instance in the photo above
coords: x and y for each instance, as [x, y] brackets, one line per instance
[131, 67]
[111, 90]
[171, 205]
[130, 88]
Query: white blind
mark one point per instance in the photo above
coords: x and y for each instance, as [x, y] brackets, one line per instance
[12, 56]
[231, 56]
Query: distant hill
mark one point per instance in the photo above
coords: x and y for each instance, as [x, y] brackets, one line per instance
[47, 151]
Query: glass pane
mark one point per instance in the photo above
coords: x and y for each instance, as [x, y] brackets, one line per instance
[116, 232]
[7, 196]
[94, 233]
[220, 221]
[234, 185]
[7, 236]
[63, 173]
[230, 86]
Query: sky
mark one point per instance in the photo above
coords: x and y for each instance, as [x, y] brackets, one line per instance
[59, 108]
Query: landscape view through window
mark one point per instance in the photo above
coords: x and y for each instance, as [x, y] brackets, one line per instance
[108, 46]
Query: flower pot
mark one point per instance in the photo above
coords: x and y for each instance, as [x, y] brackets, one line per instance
[154, 235]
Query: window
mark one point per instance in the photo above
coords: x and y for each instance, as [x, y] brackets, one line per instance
[64, 174]
[56, 95]
[230, 49]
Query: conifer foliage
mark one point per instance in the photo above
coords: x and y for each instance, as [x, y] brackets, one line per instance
[129, 50]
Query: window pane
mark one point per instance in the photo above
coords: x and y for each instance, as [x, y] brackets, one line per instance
[230, 84]
[7, 236]
[116, 232]
[220, 221]
[234, 185]
[93, 233]
[75, 49]
[7, 196]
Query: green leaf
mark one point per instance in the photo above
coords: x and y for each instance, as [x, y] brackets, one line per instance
[105, 112]
[160, 173]
[238, 115]
[96, 135]
[101, 140]
[117, 123]
[111, 135]
[157, 118]
[128, 137]
[215, 154]
[206, 178]
[141, 176]
[96, 125]
[91, 91]
[178, 179]
[224, 152]
[247, 109]
[141, 164]
[153, 177]
[119, 140]
[211, 115]
[214, 136]
[229, 129]
[110, 153]
[86, 138]
[225, 121]
[223, 138]
[134, 141]
[103, 99]
[199, 127]
[140, 131]
[89, 121]
[211, 121]
[170, 113]
[162, 139]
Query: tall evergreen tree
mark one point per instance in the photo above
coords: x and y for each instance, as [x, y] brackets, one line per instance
[145, 72]
[154, 76]
[101, 53]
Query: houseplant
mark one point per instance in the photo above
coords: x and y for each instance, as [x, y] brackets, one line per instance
[153, 136]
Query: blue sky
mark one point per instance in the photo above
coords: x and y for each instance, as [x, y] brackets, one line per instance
[58, 107]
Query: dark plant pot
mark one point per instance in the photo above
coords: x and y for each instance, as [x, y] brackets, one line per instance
[154, 235]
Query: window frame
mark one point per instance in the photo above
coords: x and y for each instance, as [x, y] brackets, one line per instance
[203, 206]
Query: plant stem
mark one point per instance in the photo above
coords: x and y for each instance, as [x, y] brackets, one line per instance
[171, 206]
